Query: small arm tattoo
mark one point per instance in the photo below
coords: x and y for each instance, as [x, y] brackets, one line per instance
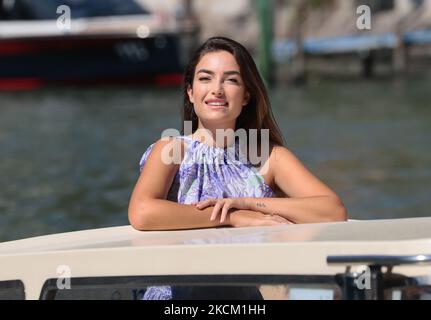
[260, 204]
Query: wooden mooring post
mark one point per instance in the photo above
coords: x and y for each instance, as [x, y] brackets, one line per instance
[399, 55]
[265, 60]
[300, 59]
[191, 38]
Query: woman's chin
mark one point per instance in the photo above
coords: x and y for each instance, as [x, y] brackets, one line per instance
[216, 119]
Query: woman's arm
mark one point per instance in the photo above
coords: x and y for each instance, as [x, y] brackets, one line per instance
[310, 200]
[301, 210]
[149, 209]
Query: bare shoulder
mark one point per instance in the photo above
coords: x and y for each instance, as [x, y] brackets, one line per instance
[293, 177]
[168, 150]
[281, 156]
[169, 141]
[281, 152]
[159, 170]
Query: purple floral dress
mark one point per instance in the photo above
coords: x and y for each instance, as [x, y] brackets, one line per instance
[208, 172]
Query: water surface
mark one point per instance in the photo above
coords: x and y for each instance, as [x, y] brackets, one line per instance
[69, 157]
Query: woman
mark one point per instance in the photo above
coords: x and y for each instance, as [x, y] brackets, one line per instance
[223, 90]
[212, 182]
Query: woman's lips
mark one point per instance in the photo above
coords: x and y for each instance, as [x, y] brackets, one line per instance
[216, 104]
[217, 107]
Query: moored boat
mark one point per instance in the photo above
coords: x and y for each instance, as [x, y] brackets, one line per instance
[88, 42]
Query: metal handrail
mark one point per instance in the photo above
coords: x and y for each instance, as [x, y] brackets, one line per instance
[378, 281]
[379, 260]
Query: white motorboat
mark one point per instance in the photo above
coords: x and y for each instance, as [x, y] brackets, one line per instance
[373, 259]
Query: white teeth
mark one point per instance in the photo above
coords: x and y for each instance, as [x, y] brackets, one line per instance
[217, 104]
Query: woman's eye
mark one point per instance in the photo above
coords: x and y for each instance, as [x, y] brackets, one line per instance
[204, 78]
[233, 80]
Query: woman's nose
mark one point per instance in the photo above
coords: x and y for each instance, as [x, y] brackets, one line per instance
[218, 90]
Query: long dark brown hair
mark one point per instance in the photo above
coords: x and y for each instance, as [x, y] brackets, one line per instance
[257, 114]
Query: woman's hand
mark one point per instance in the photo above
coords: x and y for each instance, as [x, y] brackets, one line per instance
[253, 219]
[222, 206]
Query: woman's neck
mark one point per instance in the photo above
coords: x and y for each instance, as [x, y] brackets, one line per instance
[216, 136]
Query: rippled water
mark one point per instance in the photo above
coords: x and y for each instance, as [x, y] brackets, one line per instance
[69, 157]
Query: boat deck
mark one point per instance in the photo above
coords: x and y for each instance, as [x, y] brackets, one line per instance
[278, 250]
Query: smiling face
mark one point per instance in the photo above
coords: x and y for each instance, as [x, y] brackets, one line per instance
[218, 92]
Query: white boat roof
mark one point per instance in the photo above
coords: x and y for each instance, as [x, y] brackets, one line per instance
[276, 250]
[127, 237]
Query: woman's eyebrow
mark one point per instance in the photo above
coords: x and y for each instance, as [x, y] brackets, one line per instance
[232, 72]
[212, 72]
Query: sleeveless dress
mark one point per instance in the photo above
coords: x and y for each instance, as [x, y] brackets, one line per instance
[208, 172]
